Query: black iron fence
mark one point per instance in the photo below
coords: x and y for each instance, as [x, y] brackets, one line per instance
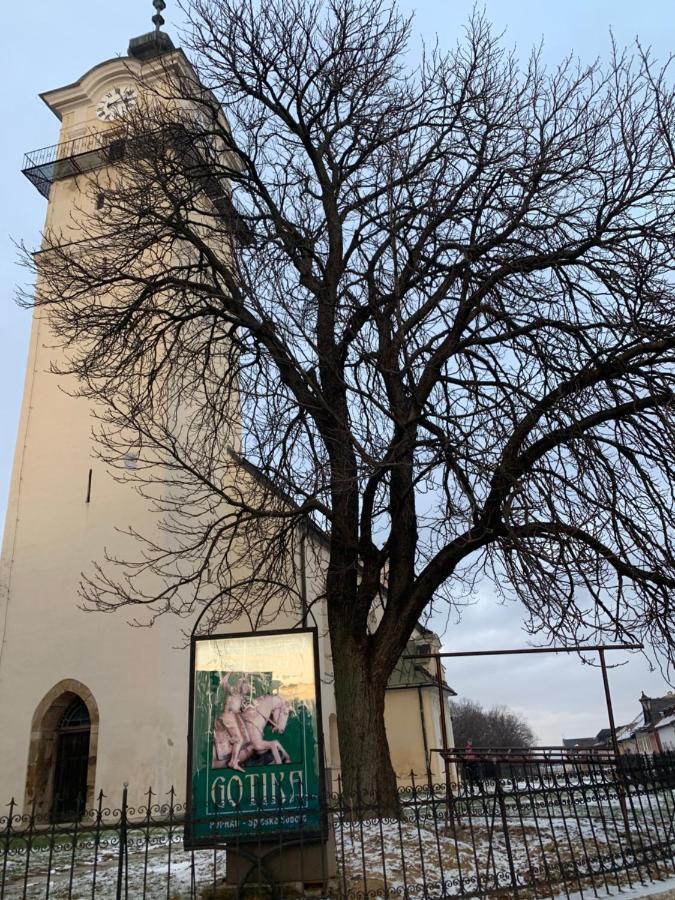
[505, 825]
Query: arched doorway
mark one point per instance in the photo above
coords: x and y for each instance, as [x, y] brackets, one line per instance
[71, 762]
[61, 773]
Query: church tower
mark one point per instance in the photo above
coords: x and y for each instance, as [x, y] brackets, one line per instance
[86, 701]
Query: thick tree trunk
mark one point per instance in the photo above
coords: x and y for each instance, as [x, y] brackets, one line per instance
[367, 773]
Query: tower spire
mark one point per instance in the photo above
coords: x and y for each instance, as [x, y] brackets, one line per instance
[154, 43]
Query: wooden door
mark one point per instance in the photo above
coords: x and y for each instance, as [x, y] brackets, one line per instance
[70, 774]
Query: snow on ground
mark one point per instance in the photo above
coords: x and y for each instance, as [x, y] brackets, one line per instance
[152, 874]
[374, 858]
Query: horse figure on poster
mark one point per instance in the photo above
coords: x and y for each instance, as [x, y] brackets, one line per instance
[270, 709]
[238, 730]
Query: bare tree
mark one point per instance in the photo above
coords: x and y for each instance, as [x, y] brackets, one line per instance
[497, 727]
[433, 307]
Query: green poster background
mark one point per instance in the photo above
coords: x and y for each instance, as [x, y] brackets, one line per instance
[266, 798]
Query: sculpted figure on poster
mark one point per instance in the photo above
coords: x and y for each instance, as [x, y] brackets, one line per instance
[229, 731]
[238, 730]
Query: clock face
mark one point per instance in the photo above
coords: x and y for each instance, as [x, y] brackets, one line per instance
[115, 102]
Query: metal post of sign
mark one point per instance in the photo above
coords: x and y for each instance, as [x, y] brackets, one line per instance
[608, 700]
[621, 791]
[575, 648]
[444, 736]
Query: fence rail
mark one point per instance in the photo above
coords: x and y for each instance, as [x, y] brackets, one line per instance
[510, 826]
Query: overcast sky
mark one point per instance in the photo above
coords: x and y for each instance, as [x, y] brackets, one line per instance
[49, 44]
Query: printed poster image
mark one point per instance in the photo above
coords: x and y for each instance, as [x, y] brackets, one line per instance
[254, 760]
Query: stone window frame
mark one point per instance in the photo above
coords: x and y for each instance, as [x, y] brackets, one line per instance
[41, 751]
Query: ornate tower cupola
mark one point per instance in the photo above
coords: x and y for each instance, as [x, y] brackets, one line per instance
[88, 108]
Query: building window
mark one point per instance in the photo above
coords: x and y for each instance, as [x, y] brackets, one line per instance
[61, 772]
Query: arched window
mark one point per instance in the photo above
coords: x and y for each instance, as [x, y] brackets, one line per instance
[61, 772]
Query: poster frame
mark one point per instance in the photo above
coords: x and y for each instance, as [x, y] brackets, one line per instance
[193, 842]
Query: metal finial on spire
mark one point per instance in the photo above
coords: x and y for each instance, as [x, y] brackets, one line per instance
[154, 43]
[158, 19]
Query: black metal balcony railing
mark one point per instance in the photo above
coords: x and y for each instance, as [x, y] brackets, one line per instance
[43, 167]
[84, 154]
